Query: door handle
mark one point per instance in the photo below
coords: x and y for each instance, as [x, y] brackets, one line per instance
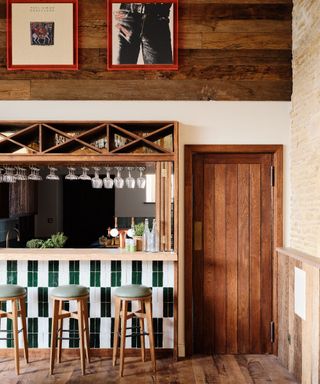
[197, 236]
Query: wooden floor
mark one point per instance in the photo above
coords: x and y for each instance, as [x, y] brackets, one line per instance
[244, 369]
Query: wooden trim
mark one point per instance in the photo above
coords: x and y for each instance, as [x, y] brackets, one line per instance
[83, 254]
[300, 256]
[190, 152]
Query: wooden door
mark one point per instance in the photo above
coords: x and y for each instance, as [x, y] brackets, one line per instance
[232, 253]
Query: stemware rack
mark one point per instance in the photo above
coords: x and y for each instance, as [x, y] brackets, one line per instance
[94, 141]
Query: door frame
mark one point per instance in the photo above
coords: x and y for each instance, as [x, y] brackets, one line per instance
[189, 152]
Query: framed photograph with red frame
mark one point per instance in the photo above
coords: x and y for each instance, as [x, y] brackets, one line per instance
[142, 35]
[42, 35]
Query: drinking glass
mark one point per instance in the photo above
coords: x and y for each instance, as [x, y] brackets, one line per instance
[52, 175]
[1, 175]
[21, 174]
[96, 181]
[71, 174]
[141, 181]
[35, 174]
[107, 181]
[8, 176]
[118, 180]
[130, 181]
[84, 175]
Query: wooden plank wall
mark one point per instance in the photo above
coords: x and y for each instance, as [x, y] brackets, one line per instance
[229, 50]
[299, 339]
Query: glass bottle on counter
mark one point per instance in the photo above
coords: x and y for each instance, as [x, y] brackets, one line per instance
[154, 238]
[146, 237]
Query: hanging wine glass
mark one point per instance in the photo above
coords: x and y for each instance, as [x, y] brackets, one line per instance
[8, 176]
[141, 181]
[18, 174]
[107, 181]
[52, 175]
[84, 175]
[1, 175]
[23, 174]
[118, 180]
[96, 181]
[35, 174]
[71, 174]
[130, 181]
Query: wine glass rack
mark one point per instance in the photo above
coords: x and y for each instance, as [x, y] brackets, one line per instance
[78, 141]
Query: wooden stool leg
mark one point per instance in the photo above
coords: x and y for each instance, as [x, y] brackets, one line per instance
[87, 332]
[150, 331]
[54, 334]
[123, 334]
[15, 333]
[60, 326]
[116, 330]
[141, 321]
[81, 335]
[24, 328]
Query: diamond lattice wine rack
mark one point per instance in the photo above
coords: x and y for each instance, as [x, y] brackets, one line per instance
[79, 142]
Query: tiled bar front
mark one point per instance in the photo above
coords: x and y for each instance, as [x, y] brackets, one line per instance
[102, 277]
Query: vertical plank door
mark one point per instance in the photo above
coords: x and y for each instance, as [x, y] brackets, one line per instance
[232, 253]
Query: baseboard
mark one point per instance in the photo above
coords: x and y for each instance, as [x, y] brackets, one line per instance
[36, 353]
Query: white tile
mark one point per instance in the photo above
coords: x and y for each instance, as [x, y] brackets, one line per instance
[84, 273]
[157, 302]
[33, 302]
[3, 273]
[63, 272]
[105, 332]
[43, 273]
[168, 332]
[95, 302]
[43, 335]
[126, 272]
[105, 273]
[147, 273]
[22, 268]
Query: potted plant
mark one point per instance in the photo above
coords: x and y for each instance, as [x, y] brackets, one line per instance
[138, 232]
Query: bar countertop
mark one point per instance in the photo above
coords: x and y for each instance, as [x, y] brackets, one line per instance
[83, 254]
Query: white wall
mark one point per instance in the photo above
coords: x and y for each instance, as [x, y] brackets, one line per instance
[201, 122]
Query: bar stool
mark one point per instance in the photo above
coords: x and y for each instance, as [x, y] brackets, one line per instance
[124, 295]
[60, 295]
[16, 295]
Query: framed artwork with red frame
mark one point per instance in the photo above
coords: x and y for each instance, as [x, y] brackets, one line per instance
[142, 35]
[42, 35]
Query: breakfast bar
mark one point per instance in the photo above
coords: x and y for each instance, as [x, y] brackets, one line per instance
[102, 271]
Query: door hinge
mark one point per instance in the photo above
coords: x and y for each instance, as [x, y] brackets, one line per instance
[272, 331]
[272, 176]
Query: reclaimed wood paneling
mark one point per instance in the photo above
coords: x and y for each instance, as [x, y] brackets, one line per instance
[229, 50]
[299, 339]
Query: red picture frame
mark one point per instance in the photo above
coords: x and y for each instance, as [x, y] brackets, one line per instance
[114, 35]
[45, 67]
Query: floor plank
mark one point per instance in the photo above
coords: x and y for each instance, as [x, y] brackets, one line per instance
[218, 369]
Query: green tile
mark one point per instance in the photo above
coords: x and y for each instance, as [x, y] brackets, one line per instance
[115, 273]
[74, 272]
[43, 305]
[95, 324]
[168, 302]
[106, 302]
[12, 272]
[50, 329]
[157, 273]
[95, 272]
[32, 273]
[158, 332]
[53, 273]
[10, 343]
[135, 330]
[33, 332]
[136, 272]
[74, 333]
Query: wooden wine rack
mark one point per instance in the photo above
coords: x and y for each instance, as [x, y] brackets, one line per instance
[79, 142]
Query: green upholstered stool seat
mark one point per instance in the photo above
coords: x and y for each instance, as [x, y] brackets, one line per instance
[133, 290]
[8, 290]
[70, 291]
